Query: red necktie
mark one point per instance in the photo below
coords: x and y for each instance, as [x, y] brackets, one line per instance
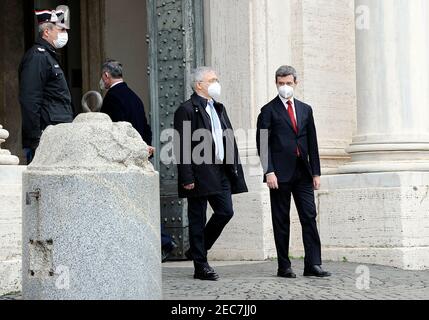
[292, 118]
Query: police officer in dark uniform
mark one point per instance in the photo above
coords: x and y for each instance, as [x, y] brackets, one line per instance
[44, 93]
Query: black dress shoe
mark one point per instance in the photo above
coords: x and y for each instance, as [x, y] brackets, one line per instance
[316, 271]
[206, 273]
[287, 273]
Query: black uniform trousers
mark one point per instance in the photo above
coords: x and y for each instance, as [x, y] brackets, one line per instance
[203, 234]
[302, 189]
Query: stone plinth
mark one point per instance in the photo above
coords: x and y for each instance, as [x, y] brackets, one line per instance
[378, 218]
[91, 218]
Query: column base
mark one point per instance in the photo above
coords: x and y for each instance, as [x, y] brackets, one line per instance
[376, 218]
[402, 258]
[387, 157]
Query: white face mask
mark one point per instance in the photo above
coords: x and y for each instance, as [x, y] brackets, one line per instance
[286, 92]
[63, 38]
[215, 90]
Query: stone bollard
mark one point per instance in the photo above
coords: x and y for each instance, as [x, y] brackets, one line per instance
[91, 215]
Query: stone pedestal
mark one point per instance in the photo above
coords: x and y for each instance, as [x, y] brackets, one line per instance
[91, 218]
[376, 218]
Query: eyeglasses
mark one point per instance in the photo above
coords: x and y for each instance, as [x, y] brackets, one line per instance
[61, 29]
[210, 81]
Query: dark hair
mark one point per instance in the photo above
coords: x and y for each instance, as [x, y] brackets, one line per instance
[285, 71]
[114, 68]
[45, 26]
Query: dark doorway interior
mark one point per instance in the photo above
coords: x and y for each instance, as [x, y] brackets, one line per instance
[17, 34]
[12, 49]
[71, 58]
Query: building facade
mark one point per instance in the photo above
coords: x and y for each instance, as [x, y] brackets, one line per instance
[367, 85]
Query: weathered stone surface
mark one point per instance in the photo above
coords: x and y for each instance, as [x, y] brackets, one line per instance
[92, 143]
[93, 232]
[379, 218]
[10, 228]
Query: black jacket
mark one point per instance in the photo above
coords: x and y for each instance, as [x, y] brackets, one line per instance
[205, 176]
[43, 93]
[279, 141]
[122, 104]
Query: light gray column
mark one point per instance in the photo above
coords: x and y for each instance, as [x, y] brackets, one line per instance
[392, 50]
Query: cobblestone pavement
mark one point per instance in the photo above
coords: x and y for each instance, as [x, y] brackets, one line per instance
[258, 281]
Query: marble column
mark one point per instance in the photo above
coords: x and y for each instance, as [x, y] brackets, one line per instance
[376, 211]
[392, 49]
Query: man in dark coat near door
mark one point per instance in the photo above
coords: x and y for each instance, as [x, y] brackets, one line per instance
[209, 169]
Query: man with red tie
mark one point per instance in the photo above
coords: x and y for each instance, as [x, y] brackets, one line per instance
[288, 148]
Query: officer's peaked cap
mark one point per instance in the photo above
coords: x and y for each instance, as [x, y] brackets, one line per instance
[58, 17]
